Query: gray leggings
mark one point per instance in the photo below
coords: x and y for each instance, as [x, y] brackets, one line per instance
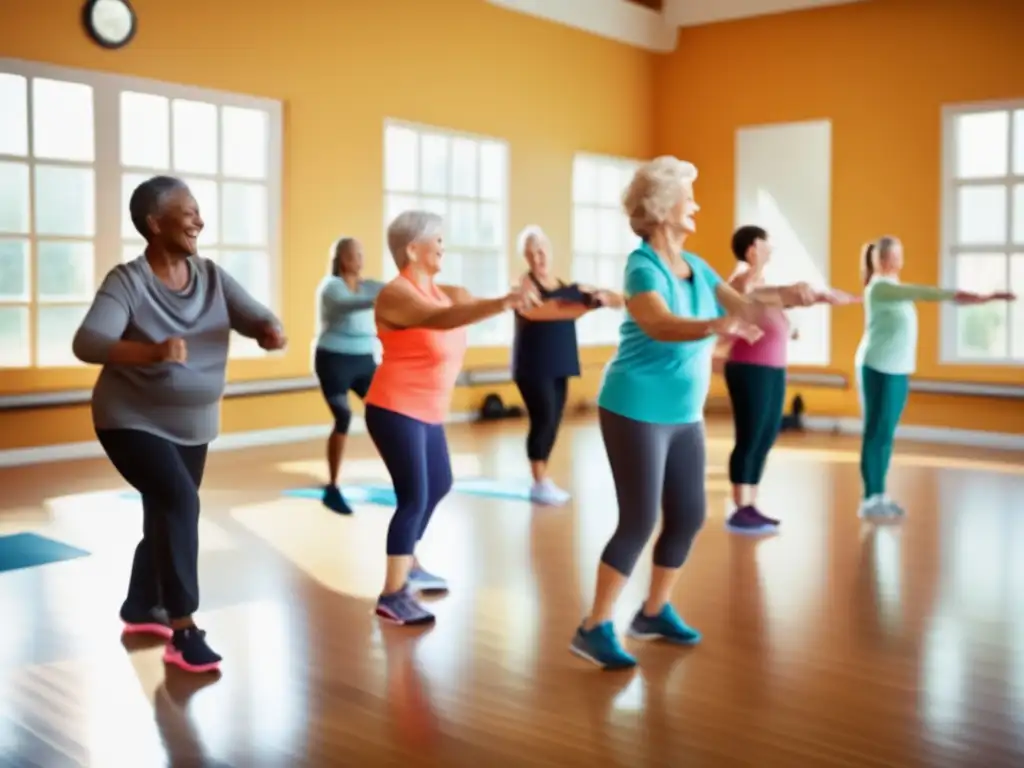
[654, 465]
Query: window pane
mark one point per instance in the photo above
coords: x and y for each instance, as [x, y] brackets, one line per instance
[131, 251]
[245, 139]
[195, 136]
[609, 275]
[982, 329]
[1018, 141]
[463, 225]
[585, 231]
[584, 180]
[241, 347]
[584, 270]
[399, 159]
[65, 201]
[451, 269]
[129, 181]
[55, 329]
[609, 227]
[490, 226]
[14, 108]
[1018, 213]
[1017, 307]
[145, 130]
[243, 215]
[14, 270]
[434, 164]
[14, 197]
[14, 341]
[628, 240]
[436, 205]
[493, 171]
[252, 270]
[464, 168]
[981, 215]
[627, 173]
[982, 144]
[206, 194]
[610, 185]
[65, 270]
[396, 204]
[62, 120]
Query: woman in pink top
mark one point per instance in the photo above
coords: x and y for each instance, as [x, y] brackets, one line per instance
[755, 375]
[422, 328]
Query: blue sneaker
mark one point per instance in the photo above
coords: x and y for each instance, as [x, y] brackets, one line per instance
[421, 580]
[665, 626]
[601, 646]
[401, 608]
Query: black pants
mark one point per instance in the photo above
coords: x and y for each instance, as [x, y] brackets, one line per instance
[165, 571]
[545, 403]
[338, 373]
[758, 394]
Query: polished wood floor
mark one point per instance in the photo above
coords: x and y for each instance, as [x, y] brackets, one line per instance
[833, 644]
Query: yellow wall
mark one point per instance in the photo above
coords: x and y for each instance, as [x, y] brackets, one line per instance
[881, 71]
[341, 67]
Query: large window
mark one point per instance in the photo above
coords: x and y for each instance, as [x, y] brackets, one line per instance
[73, 146]
[601, 238]
[983, 231]
[464, 179]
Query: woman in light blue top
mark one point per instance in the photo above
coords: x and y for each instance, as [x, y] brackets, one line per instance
[886, 357]
[344, 358]
[652, 403]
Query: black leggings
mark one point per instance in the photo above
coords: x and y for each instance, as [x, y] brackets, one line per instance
[545, 402]
[338, 373]
[758, 394]
[165, 571]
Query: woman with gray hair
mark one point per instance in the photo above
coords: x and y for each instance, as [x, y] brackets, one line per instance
[160, 326]
[652, 401]
[422, 328]
[545, 355]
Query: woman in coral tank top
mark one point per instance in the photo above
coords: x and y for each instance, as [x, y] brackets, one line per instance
[422, 328]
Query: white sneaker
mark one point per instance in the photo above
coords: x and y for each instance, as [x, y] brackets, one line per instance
[546, 492]
[873, 506]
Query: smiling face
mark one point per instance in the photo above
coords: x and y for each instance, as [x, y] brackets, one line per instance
[538, 256]
[427, 252]
[759, 253]
[177, 224]
[350, 258]
[682, 216]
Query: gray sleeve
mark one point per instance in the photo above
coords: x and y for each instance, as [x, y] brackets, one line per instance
[247, 316]
[105, 322]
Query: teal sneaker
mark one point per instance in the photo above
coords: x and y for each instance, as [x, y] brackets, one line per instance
[600, 646]
[665, 626]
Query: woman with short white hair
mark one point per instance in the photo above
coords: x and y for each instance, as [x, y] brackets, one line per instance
[545, 354]
[422, 329]
[652, 401]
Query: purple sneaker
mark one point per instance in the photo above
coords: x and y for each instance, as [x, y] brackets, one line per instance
[748, 520]
[401, 608]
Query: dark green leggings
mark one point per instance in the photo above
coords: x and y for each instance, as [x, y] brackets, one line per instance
[883, 397]
[758, 394]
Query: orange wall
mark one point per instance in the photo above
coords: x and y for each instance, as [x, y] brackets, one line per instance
[341, 67]
[880, 70]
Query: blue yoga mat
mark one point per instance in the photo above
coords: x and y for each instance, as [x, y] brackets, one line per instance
[516, 490]
[354, 494]
[27, 550]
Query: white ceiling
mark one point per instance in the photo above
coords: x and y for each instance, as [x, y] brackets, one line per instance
[691, 13]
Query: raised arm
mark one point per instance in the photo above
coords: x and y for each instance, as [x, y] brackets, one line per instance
[334, 295]
[247, 316]
[400, 306]
[884, 291]
[98, 340]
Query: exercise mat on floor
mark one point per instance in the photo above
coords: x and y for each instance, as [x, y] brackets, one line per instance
[517, 490]
[354, 494]
[27, 550]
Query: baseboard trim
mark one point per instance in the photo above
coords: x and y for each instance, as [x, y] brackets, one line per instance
[231, 441]
[968, 438]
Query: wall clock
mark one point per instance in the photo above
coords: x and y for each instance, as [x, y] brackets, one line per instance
[110, 23]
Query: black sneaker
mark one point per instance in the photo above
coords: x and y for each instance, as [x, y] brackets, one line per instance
[152, 622]
[334, 501]
[188, 650]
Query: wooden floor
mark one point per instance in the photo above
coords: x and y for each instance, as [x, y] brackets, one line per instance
[833, 644]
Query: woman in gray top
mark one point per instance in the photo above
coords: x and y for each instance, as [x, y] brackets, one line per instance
[160, 326]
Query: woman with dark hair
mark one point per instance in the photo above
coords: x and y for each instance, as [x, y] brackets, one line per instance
[160, 326]
[344, 359]
[886, 358]
[545, 355]
[755, 374]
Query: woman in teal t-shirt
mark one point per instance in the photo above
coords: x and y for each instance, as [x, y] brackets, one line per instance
[886, 357]
[652, 404]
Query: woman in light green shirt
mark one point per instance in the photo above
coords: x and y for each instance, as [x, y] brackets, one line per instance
[886, 357]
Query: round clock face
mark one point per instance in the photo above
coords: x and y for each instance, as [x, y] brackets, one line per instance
[110, 22]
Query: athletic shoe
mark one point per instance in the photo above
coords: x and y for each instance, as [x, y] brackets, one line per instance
[600, 646]
[334, 501]
[421, 580]
[401, 608]
[152, 622]
[665, 626]
[748, 520]
[879, 507]
[188, 650]
[549, 494]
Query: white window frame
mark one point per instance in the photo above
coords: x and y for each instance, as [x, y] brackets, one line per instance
[948, 320]
[498, 331]
[108, 242]
[609, 320]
